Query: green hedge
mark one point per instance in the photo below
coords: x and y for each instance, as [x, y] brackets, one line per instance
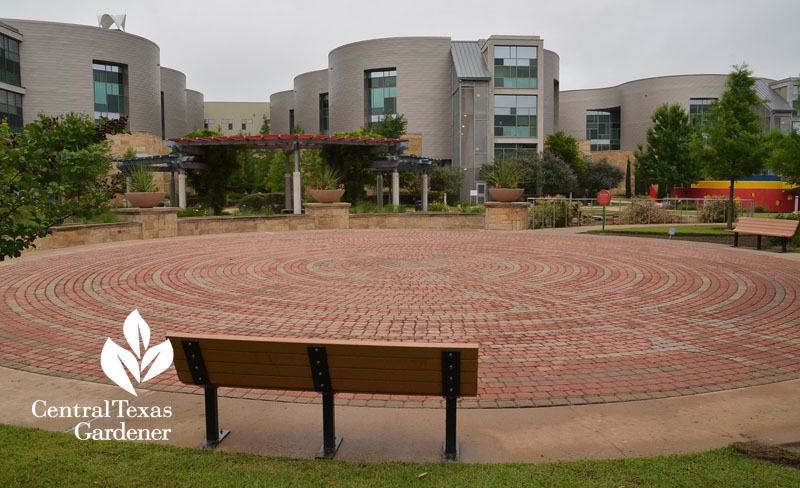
[263, 201]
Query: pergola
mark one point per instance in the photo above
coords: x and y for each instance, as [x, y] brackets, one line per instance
[395, 164]
[290, 144]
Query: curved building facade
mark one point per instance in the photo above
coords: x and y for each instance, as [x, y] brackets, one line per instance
[466, 102]
[101, 72]
[617, 118]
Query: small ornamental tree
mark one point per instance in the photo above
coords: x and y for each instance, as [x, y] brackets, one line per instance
[668, 159]
[222, 164]
[601, 175]
[264, 126]
[547, 173]
[567, 149]
[784, 158]
[628, 190]
[55, 168]
[734, 147]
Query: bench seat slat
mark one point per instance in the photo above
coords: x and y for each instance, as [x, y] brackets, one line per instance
[388, 387]
[271, 371]
[766, 227]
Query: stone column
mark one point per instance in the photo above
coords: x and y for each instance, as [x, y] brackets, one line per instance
[379, 190]
[396, 189]
[424, 192]
[182, 189]
[506, 216]
[287, 185]
[297, 190]
[157, 222]
[329, 215]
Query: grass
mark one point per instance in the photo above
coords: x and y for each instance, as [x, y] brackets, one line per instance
[104, 217]
[42, 458]
[369, 207]
[700, 230]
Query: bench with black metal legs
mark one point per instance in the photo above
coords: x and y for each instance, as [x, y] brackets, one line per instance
[328, 367]
[784, 229]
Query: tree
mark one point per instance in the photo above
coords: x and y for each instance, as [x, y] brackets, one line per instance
[223, 163]
[391, 126]
[264, 125]
[566, 147]
[548, 172]
[784, 157]
[448, 180]
[628, 192]
[55, 168]
[668, 160]
[601, 175]
[734, 146]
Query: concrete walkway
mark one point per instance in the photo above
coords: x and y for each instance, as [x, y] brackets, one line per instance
[614, 430]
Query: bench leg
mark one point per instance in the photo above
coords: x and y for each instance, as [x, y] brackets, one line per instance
[213, 433]
[735, 239]
[451, 452]
[330, 443]
[783, 244]
[758, 242]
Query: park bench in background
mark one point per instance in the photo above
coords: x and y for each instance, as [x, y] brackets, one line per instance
[764, 227]
[328, 367]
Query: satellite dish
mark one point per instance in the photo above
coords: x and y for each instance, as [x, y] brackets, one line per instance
[105, 21]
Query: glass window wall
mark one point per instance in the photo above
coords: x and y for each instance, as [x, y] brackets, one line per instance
[603, 129]
[9, 61]
[11, 109]
[515, 66]
[380, 94]
[515, 115]
[110, 90]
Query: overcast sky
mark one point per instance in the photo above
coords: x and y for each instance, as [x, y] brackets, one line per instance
[237, 50]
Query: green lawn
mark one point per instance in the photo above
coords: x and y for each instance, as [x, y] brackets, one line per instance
[680, 230]
[36, 457]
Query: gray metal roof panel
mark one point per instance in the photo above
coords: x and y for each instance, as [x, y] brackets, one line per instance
[468, 61]
[774, 101]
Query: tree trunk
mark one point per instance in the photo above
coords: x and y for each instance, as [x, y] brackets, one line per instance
[731, 211]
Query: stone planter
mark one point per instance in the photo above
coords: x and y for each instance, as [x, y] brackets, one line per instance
[326, 196]
[145, 199]
[505, 194]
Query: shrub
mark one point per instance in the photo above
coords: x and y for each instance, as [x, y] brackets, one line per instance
[198, 210]
[760, 209]
[794, 241]
[643, 211]
[142, 179]
[715, 209]
[439, 207]
[261, 201]
[557, 212]
[506, 173]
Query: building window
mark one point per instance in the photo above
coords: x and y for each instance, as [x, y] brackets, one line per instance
[603, 129]
[380, 94]
[110, 90]
[700, 110]
[515, 115]
[291, 121]
[508, 151]
[11, 109]
[207, 123]
[515, 66]
[245, 122]
[227, 123]
[324, 121]
[796, 99]
[9, 61]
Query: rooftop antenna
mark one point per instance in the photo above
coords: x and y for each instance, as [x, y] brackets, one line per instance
[105, 21]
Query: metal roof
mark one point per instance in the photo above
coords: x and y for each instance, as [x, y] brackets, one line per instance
[774, 101]
[469, 61]
[288, 142]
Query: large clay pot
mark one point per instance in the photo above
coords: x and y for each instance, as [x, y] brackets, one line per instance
[326, 196]
[145, 199]
[505, 194]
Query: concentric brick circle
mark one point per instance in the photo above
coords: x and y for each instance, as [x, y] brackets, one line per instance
[559, 318]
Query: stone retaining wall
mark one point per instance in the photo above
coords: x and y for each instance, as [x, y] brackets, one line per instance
[161, 223]
[417, 220]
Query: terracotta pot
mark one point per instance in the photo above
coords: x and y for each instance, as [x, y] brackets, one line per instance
[505, 194]
[326, 196]
[145, 199]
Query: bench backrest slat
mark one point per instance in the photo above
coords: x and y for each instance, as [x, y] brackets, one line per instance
[355, 366]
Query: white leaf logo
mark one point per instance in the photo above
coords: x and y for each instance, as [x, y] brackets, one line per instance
[118, 362]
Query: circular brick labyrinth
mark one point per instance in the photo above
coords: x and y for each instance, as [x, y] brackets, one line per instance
[560, 319]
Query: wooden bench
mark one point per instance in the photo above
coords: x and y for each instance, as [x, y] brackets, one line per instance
[764, 227]
[328, 367]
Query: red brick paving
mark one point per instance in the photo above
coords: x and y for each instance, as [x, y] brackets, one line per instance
[560, 319]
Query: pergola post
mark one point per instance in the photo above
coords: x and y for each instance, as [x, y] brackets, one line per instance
[296, 188]
[424, 191]
[380, 190]
[182, 189]
[173, 198]
[395, 189]
[287, 184]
